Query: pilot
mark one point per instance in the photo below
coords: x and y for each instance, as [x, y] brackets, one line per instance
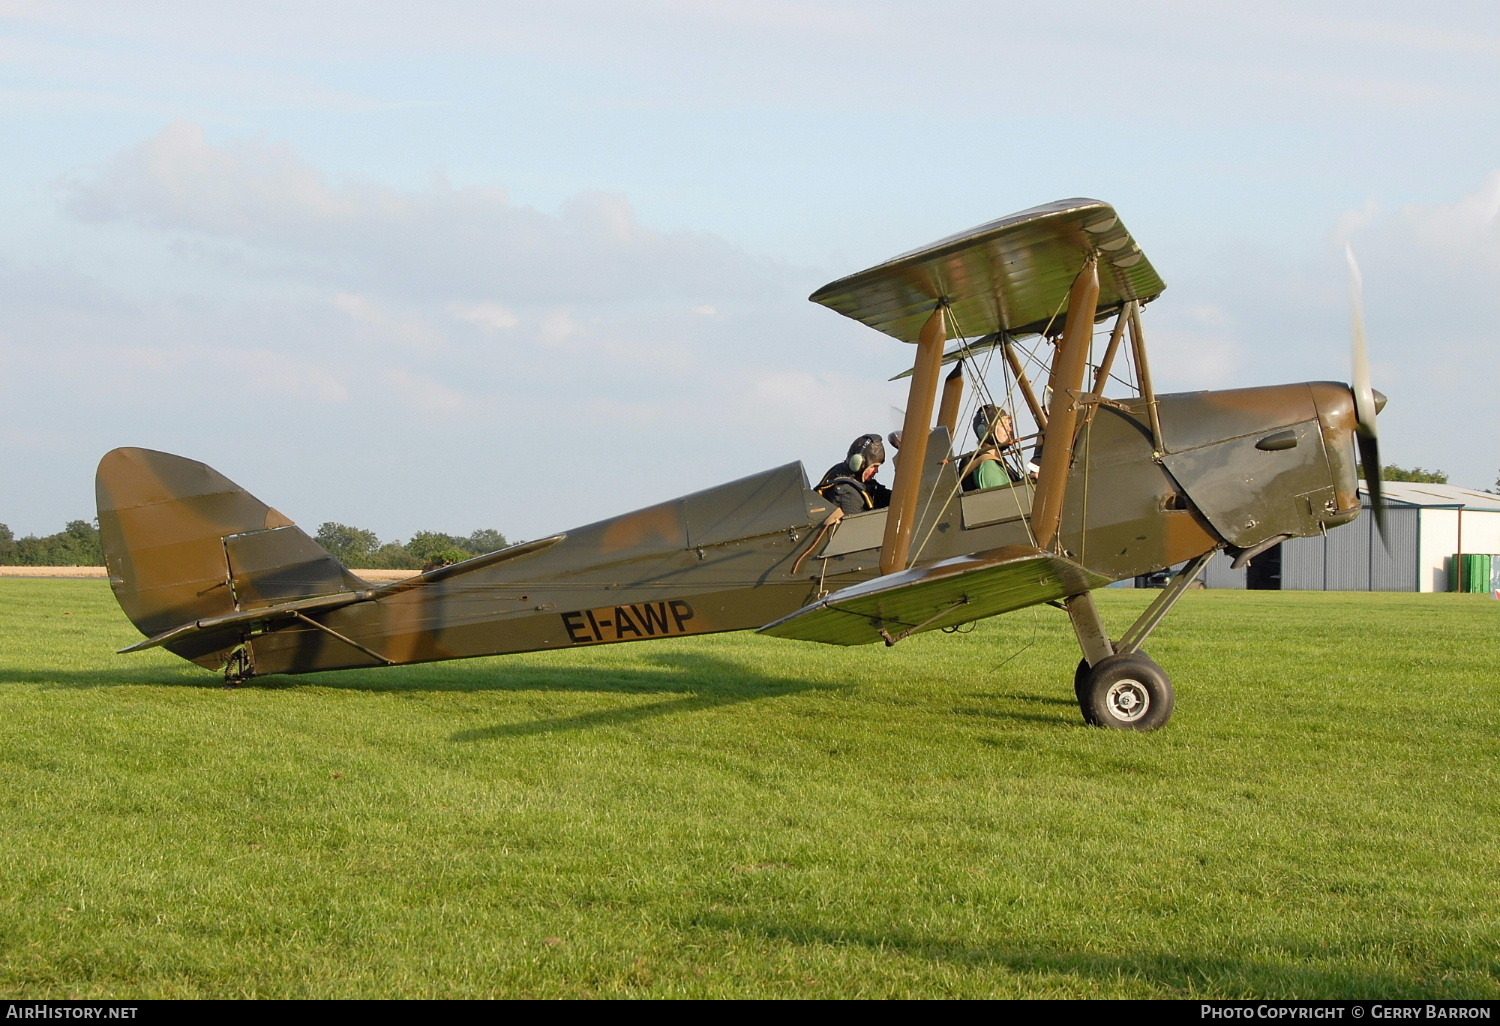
[997, 460]
[851, 484]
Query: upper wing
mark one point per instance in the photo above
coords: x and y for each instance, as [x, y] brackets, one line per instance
[943, 594]
[1010, 275]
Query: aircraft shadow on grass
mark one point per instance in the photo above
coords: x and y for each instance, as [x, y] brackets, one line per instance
[702, 682]
[1175, 973]
[698, 681]
[1047, 719]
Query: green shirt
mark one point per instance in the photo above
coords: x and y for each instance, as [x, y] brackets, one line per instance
[990, 474]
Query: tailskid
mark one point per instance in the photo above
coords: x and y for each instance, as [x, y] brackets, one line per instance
[239, 668]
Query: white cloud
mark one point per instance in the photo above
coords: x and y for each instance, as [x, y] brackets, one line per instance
[383, 325]
[1406, 35]
[424, 393]
[1462, 234]
[483, 332]
[490, 316]
[1351, 221]
[800, 401]
[1443, 257]
[558, 326]
[441, 243]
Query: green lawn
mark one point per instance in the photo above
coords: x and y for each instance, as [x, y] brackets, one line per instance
[732, 816]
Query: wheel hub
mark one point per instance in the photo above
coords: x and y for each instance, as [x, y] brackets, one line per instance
[1128, 700]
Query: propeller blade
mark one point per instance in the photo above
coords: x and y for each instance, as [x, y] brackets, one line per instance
[1365, 408]
[1369, 459]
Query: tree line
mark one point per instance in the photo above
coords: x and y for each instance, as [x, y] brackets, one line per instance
[359, 548]
[78, 545]
[75, 545]
[1416, 475]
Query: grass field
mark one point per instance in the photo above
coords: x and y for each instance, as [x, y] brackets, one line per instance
[731, 816]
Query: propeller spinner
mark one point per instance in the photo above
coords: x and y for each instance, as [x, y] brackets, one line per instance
[1365, 404]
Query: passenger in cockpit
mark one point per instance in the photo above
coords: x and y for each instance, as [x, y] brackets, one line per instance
[997, 461]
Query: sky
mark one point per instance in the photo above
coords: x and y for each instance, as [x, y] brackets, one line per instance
[514, 265]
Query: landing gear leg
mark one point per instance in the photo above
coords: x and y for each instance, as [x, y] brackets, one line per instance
[1117, 684]
[240, 667]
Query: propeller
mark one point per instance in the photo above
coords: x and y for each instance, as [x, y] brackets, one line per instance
[1365, 405]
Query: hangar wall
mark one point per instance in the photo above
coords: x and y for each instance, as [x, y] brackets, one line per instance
[1447, 531]
[1351, 557]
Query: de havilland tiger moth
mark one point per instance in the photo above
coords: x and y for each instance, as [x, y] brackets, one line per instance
[1119, 482]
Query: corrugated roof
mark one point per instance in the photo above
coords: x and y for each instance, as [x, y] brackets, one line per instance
[1412, 493]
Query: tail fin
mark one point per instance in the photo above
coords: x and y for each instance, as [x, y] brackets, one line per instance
[182, 543]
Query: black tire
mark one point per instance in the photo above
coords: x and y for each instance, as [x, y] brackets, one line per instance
[1126, 692]
[1080, 688]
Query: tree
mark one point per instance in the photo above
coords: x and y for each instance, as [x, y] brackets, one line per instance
[430, 549]
[1415, 474]
[351, 546]
[79, 545]
[390, 556]
[486, 539]
[425, 545]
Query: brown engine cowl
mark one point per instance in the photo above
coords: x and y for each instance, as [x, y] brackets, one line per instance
[1338, 421]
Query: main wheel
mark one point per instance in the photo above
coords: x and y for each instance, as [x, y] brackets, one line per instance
[1080, 687]
[1126, 692]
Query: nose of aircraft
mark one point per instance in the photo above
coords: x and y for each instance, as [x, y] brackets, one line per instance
[1379, 399]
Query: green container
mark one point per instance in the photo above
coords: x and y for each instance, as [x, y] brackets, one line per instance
[1470, 571]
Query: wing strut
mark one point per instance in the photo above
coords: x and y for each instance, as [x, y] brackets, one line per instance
[1068, 367]
[895, 548]
[1019, 370]
[953, 399]
[1101, 377]
[1143, 375]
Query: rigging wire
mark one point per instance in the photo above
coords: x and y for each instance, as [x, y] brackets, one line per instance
[1035, 630]
[982, 390]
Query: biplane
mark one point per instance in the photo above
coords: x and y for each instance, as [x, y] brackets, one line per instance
[1126, 482]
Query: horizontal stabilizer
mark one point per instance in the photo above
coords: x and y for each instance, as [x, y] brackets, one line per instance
[945, 594]
[245, 619]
